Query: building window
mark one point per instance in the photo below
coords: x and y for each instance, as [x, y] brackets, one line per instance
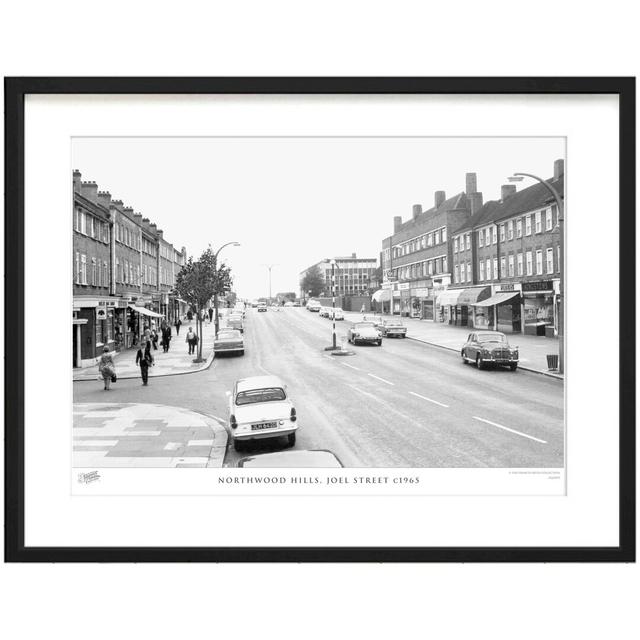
[105, 275]
[495, 268]
[455, 245]
[481, 270]
[76, 220]
[519, 228]
[83, 269]
[480, 237]
[549, 260]
[520, 269]
[538, 262]
[430, 267]
[445, 266]
[468, 272]
[527, 226]
[487, 236]
[538, 221]
[77, 267]
[456, 274]
[510, 229]
[488, 268]
[529, 263]
[549, 220]
[558, 263]
[429, 239]
[468, 241]
[94, 272]
[511, 267]
[444, 235]
[502, 236]
[503, 267]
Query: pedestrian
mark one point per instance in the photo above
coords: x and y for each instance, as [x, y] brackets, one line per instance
[166, 338]
[145, 360]
[189, 316]
[154, 339]
[107, 368]
[178, 324]
[191, 340]
[362, 309]
[210, 315]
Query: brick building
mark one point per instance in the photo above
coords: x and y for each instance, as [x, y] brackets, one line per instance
[417, 258]
[509, 253]
[118, 255]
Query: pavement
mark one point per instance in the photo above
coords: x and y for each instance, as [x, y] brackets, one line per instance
[533, 350]
[404, 404]
[145, 435]
[176, 361]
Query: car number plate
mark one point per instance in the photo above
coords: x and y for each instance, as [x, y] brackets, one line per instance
[263, 425]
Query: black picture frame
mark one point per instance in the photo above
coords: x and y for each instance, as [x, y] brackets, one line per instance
[15, 91]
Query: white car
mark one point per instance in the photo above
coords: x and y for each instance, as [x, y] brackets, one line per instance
[324, 312]
[313, 305]
[259, 407]
[339, 313]
[366, 332]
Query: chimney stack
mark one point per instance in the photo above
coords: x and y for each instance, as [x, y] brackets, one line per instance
[471, 183]
[353, 255]
[417, 210]
[397, 223]
[475, 202]
[77, 181]
[507, 190]
[90, 190]
[558, 169]
[104, 198]
[160, 233]
[440, 197]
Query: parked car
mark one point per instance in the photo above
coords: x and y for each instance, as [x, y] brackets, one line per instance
[254, 304]
[305, 458]
[366, 332]
[259, 407]
[235, 322]
[339, 313]
[489, 347]
[390, 328]
[296, 303]
[262, 306]
[288, 303]
[229, 341]
[324, 312]
[313, 305]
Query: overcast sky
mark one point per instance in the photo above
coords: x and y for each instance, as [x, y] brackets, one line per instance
[294, 201]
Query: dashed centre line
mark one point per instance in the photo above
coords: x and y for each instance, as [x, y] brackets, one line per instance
[345, 364]
[381, 379]
[519, 433]
[446, 406]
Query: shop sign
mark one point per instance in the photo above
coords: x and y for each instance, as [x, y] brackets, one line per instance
[404, 286]
[101, 313]
[542, 285]
[422, 292]
[508, 287]
[386, 285]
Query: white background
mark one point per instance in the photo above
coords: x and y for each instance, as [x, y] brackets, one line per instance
[334, 39]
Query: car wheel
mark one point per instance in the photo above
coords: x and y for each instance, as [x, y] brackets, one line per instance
[513, 366]
[291, 439]
[479, 362]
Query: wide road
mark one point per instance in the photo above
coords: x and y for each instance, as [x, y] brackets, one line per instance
[405, 404]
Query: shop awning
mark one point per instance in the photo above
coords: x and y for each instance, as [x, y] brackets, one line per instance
[498, 298]
[145, 312]
[382, 295]
[473, 295]
[449, 297]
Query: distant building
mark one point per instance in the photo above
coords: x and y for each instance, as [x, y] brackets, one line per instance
[353, 276]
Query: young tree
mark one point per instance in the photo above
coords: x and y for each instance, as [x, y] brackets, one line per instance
[198, 281]
[313, 282]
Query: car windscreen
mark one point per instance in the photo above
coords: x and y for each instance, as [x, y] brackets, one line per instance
[394, 324]
[363, 325]
[252, 396]
[227, 335]
[491, 337]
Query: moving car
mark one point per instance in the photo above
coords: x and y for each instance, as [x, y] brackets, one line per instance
[339, 313]
[228, 341]
[390, 328]
[313, 305]
[305, 458]
[259, 407]
[489, 347]
[366, 332]
[262, 306]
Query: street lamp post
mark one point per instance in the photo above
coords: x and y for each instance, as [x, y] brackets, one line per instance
[270, 266]
[215, 294]
[333, 346]
[560, 204]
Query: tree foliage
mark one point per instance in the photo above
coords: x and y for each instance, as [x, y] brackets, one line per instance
[313, 281]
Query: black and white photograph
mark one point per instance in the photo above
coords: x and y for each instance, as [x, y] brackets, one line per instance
[318, 302]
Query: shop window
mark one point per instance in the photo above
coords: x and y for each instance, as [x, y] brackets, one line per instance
[549, 260]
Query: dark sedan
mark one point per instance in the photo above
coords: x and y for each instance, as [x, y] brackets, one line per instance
[484, 348]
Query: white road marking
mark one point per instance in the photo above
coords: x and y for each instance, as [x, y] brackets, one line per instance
[381, 379]
[519, 433]
[364, 393]
[446, 406]
[345, 364]
[200, 443]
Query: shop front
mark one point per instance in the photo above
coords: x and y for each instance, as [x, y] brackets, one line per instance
[539, 306]
[463, 311]
[382, 300]
[501, 311]
[420, 302]
[405, 299]
[446, 302]
[396, 300]
[93, 328]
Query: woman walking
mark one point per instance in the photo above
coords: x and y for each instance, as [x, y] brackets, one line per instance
[145, 360]
[107, 368]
